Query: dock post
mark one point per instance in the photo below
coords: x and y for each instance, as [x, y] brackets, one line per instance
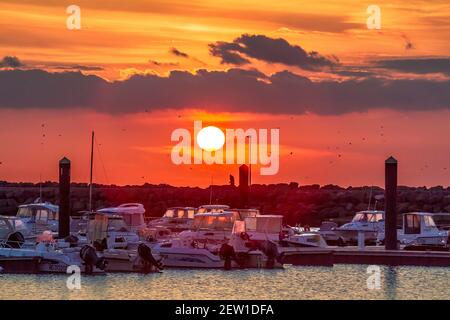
[64, 198]
[243, 185]
[390, 198]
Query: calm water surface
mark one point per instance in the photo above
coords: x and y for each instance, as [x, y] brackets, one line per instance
[338, 282]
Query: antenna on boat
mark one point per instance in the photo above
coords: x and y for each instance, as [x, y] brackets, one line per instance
[210, 189]
[90, 177]
[370, 197]
[40, 187]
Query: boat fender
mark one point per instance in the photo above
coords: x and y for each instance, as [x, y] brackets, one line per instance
[90, 259]
[145, 253]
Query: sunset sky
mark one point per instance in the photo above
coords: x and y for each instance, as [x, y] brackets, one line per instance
[344, 97]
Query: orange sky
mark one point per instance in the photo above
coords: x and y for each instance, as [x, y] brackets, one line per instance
[120, 38]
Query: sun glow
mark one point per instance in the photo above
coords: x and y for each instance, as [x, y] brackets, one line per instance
[210, 138]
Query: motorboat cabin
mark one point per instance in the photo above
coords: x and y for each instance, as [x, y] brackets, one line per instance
[175, 219]
[132, 214]
[39, 217]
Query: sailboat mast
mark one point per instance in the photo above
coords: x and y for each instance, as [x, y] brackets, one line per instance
[90, 178]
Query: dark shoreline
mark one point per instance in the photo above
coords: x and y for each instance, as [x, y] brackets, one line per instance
[305, 204]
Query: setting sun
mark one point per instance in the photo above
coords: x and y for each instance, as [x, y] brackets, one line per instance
[210, 138]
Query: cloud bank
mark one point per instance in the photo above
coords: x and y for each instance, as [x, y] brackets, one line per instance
[232, 90]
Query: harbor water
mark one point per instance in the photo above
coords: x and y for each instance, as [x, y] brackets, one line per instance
[338, 282]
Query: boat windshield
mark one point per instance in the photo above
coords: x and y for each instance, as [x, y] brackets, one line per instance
[37, 213]
[367, 217]
[25, 212]
[442, 221]
[117, 225]
[169, 213]
[429, 222]
[132, 219]
[216, 222]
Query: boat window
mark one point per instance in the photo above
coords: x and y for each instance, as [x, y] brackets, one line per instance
[360, 217]
[24, 212]
[117, 225]
[191, 213]
[201, 210]
[379, 217]
[412, 224]
[169, 213]
[180, 213]
[42, 215]
[429, 222]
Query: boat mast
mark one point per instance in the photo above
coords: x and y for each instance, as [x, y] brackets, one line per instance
[90, 178]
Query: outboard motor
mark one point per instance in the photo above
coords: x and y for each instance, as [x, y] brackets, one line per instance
[90, 259]
[228, 254]
[73, 240]
[271, 251]
[145, 253]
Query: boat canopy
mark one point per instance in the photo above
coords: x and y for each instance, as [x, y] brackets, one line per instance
[215, 220]
[38, 211]
[368, 216]
[212, 208]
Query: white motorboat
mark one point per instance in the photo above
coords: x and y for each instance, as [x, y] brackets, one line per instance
[305, 239]
[419, 228]
[241, 251]
[51, 259]
[370, 222]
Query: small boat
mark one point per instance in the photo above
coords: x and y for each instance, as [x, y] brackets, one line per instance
[419, 229]
[50, 259]
[370, 222]
[237, 252]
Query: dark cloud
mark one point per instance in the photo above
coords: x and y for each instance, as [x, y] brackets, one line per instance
[163, 64]
[235, 90]
[267, 49]
[420, 66]
[80, 67]
[10, 62]
[178, 53]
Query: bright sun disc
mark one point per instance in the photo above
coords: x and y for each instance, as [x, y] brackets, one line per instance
[210, 138]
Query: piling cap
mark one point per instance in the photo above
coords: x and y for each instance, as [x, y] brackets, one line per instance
[391, 159]
[64, 161]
